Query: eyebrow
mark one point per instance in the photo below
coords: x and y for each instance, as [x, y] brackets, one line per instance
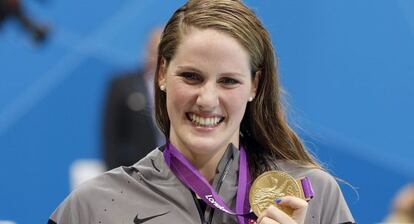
[187, 67]
[191, 68]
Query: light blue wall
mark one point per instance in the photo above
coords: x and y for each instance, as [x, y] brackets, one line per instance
[348, 68]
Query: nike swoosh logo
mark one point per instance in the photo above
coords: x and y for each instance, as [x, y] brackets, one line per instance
[139, 221]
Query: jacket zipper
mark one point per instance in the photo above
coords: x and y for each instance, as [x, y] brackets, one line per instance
[200, 211]
[220, 182]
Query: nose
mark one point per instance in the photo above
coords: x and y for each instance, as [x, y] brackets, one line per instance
[208, 97]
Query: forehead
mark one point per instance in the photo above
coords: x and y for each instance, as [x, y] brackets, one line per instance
[212, 48]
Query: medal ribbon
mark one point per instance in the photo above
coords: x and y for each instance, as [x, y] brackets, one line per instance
[193, 179]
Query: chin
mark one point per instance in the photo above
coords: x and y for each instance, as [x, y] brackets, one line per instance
[205, 145]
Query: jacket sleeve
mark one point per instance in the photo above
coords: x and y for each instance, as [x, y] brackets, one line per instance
[69, 211]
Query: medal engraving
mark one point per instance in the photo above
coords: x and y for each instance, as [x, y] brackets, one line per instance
[272, 185]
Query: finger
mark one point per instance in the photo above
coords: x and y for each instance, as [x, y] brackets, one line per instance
[275, 214]
[298, 205]
[292, 202]
[267, 220]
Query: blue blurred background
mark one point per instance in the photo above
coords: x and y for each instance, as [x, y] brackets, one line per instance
[348, 68]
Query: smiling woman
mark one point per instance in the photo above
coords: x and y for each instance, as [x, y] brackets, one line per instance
[217, 101]
[208, 84]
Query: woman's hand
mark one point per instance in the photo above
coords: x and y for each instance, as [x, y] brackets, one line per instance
[273, 215]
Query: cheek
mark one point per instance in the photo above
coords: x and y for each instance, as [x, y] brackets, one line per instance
[177, 97]
[236, 104]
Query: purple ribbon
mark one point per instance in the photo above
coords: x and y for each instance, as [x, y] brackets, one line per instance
[307, 188]
[193, 179]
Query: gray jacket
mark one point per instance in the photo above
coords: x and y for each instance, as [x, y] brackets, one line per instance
[148, 192]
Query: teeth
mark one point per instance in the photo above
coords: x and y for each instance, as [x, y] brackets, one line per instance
[201, 121]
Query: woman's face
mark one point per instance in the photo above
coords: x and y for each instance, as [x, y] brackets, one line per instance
[208, 85]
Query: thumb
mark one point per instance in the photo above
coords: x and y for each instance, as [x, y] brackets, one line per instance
[299, 207]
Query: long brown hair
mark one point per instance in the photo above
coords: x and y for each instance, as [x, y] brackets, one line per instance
[265, 132]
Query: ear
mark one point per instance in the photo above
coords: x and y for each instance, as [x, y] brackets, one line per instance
[162, 73]
[255, 84]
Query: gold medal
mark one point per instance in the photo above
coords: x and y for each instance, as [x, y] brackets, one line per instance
[272, 185]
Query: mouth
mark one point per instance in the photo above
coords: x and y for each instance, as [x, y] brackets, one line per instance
[211, 121]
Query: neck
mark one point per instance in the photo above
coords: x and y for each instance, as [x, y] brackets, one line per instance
[206, 164]
[208, 167]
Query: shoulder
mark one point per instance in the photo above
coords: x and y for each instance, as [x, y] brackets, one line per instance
[114, 187]
[77, 204]
[113, 179]
[322, 181]
[320, 177]
[328, 204]
[91, 191]
[298, 171]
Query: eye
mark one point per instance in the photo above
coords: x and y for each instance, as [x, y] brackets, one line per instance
[229, 81]
[191, 77]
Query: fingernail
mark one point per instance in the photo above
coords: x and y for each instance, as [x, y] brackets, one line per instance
[278, 201]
